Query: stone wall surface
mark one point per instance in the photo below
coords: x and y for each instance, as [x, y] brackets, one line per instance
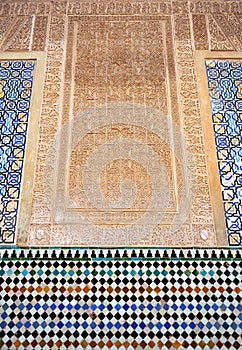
[121, 154]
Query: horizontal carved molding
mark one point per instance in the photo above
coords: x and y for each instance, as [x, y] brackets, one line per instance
[120, 253]
[118, 7]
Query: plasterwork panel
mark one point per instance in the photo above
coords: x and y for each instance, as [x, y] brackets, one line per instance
[116, 119]
[201, 216]
[41, 224]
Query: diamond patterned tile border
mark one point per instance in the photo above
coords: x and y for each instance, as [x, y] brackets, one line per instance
[141, 299]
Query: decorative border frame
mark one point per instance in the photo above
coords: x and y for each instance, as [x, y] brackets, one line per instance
[26, 191]
[209, 140]
[131, 253]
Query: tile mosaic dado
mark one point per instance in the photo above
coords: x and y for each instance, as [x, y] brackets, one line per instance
[120, 299]
[21, 85]
[16, 80]
[225, 91]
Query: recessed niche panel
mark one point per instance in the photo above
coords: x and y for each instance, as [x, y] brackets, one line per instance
[121, 163]
[225, 92]
[220, 86]
[18, 131]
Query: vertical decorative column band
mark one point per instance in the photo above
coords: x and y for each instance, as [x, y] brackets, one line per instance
[16, 79]
[225, 91]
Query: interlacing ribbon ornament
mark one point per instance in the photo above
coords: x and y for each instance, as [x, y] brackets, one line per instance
[117, 171]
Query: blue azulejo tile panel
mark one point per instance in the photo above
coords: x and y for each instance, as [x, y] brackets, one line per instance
[16, 78]
[225, 90]
[74, 303]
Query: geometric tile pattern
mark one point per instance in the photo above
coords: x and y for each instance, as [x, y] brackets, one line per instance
[16, 79]
[225, 90]
[50, 301]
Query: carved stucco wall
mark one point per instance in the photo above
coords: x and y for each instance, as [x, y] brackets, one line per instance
[121, 157]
